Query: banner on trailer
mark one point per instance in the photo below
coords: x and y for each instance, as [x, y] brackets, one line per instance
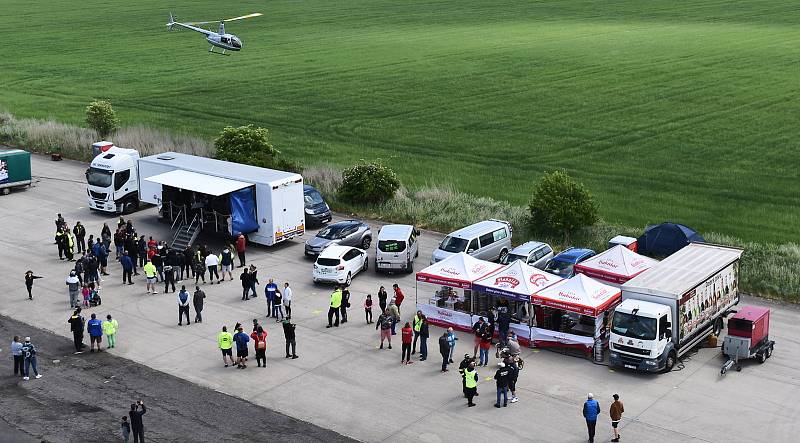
[3, 171]
[546, 335]
[440, 316]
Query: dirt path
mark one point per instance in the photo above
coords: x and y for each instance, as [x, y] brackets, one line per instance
[82, 397]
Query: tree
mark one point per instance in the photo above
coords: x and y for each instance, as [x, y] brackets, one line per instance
[101, 117]
[250, 146]
[368, 183]
[560, 204]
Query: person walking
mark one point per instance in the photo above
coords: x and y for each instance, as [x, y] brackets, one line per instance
[80, 234]
[169, 278]
[245, 279]
[125, 429]
[513, 374]
[29, 354]
[269, 291]
[16, 353]
[501, 380]
[241, 247]
[110, 327]
[471, 383]
[423, 339]
[444, 350]
[95, 328]
[382, 298]
[137, 426]
[127, 268]
[199, 269]
[226, 263]
[385, 324]
[368, 308]
[77, 325]
[151, 274]
[73, 286]
[335, 304]
[287, 299]
[260, 345]
[183, 306]
[277, 306]
[253, 280]
[451, 340]
[478, 330]
[29, 278]
[615, 412]
[398, 296]
[591, 409]
[225, 342]
[345, 303]
[197, 300]
[416, 325]
[212, 261]
[486, 344]
[395, 315]
[241, 339]
[406, 337]
[289, 335]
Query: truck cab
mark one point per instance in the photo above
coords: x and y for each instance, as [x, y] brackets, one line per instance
[112, 181]
[642, 336]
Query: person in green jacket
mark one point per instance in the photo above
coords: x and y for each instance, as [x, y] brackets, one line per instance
[225, 341]
[151, 274]
[336, 303]
[110, 327]
[470, 383]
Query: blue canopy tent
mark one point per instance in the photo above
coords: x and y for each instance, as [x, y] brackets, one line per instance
[667, 238]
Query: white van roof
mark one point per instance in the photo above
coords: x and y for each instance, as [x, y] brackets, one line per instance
[395, 232]
[479, 228]
[219, 168]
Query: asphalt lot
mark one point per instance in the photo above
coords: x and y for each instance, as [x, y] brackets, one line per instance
[343, 382]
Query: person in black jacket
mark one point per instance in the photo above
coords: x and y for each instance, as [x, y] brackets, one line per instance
[80, 233]
[141, 246]
[29, 278]
[188, 255]
[288, 333]
[345, 303]
[423, 339]
[502, 376]
[245, 278]
[461, 367]
[137, 411]
[77, 325]
[444, 350]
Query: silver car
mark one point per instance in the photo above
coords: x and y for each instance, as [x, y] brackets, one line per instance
[533, 253]
[346, 233]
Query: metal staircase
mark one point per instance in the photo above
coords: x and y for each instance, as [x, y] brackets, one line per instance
[186, 234]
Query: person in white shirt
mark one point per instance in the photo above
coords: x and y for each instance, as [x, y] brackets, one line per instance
[211, 263]
[287, 300]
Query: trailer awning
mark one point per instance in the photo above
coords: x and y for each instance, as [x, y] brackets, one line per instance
[202, 183]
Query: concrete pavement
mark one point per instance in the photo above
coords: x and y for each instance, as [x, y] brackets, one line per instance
[343, 382]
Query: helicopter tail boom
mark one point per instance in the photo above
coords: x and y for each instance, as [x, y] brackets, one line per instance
[171, 21]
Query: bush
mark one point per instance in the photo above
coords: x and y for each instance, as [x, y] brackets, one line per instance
[101, 117]
[250, 146]
[368, 183]
[560, 204]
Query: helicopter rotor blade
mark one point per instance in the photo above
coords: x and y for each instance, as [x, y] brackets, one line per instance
[255, 14]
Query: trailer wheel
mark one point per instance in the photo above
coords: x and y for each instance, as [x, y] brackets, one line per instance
[768, 351]
[671, 357]
[718, 325]
[6, 191]
[762, 357]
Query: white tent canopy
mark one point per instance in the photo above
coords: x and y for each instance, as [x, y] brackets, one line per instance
[579, 294]
[616, 265]
[202, 183]
[517, 281]
[458, 270]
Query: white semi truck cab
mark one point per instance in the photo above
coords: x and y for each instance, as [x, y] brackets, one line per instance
[641, 335]
[112, 181]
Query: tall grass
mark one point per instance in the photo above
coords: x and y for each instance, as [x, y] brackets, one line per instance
[769, 270]
[49, 136]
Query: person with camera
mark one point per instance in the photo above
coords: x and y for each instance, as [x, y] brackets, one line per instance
[137, 427]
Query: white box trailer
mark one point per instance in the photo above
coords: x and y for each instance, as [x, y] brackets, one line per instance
[278, 195]
[673, 306]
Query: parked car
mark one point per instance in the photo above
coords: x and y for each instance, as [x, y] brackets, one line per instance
[563, 264]
[339, 264]
[533, 253]
[317, 211]
[488, 240]
[345, 233]
[396, 248]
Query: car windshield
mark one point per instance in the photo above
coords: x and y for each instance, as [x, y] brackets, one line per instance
[634, 326]
[391, 245]
[453, 244]
[98, 177]
[559, 267]
[312, 198]
[328, 261]
[511, 258]
[331, 232]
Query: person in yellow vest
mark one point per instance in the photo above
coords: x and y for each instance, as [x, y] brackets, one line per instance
[470, 383]
[336, 303]
[151, 274]
[69, 252]
[110, 327]
[225, 341]
[417, 326]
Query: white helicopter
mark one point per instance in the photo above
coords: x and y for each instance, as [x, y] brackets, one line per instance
[228, 42]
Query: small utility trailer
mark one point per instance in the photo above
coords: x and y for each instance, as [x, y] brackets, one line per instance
[748, 337]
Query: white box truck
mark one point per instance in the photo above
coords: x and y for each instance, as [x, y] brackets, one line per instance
[673, 306]
[198, 192]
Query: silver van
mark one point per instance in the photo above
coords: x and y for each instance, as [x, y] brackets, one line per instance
[396, 248]
[488, 240]
[533, 253]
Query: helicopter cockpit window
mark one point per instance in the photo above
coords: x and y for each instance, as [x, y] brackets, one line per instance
[236, 43]
[224, 40]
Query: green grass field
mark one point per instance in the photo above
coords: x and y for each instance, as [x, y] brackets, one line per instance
[685, 111]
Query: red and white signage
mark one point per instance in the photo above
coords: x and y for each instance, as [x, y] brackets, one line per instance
[579, 294]
[516, 281]
[458, 271]
[615, 266]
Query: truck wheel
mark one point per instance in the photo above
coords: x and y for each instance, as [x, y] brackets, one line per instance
[130, 206]
[671, 357]
[365, 243]
[718, 325]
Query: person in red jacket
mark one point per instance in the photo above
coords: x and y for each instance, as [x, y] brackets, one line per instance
[408, 337]
[241, 246]
[398, 296]
[259, 337]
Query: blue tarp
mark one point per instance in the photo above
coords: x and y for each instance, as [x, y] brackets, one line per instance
[243, 211]
[665, 239]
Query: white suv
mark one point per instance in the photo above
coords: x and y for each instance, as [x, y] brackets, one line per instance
[338, 264]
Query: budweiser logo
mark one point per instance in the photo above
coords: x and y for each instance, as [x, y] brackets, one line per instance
[506, 281]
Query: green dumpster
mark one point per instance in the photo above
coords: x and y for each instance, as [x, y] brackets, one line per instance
[15, 169]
